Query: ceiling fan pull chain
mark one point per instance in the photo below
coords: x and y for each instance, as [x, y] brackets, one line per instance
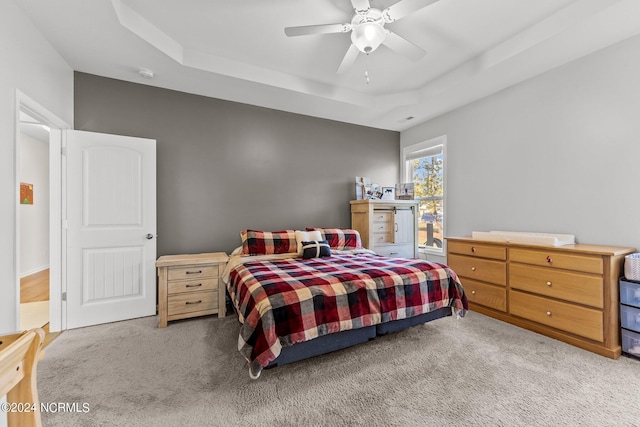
[366, 69]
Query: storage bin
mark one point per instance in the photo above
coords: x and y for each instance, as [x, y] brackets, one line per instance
[632, 266]
[629, 293]
[630, 317]
[631, 342]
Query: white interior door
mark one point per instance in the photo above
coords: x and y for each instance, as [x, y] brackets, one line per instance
[111, 228]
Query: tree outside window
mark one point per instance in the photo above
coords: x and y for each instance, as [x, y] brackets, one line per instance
[425, 168]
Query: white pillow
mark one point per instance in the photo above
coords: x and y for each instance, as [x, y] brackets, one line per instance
[306, 236]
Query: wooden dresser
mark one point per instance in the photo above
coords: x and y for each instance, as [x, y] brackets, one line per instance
[190, 286]
[569, 293]
[387, 227]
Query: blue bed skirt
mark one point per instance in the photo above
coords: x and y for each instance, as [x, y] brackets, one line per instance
[344, 339]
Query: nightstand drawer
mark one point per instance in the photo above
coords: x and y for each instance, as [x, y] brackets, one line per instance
[193, 301]
[573, 287]
[192, 272]
[583, 263]
[582, 321]
[479, 269]
[204, 284]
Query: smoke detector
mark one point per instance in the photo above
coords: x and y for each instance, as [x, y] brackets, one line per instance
[145, 73]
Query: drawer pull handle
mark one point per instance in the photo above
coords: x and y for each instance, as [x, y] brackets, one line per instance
[194, 286]
[473, 292]
[473, 249]
[473, 269]
[394, 253]
[381, 227]
[549, 260]
[549, 313]
[548, 283]
[194, 272]
[193, 302]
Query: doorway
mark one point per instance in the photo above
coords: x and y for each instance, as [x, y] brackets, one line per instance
[33, 174]
[47, 260]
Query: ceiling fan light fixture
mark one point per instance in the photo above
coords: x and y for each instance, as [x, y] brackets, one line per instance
[367, 36]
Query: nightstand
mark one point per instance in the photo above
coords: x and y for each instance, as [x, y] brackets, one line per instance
[190, 286]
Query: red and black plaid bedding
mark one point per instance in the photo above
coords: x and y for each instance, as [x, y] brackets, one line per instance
[282, 302]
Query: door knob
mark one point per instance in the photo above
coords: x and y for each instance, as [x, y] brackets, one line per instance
[149, 236]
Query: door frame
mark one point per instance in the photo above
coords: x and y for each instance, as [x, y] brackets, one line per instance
[57, 322]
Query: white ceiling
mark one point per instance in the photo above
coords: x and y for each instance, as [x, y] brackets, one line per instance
[237, 50]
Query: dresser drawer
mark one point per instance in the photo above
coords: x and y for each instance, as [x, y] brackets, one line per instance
[630, 293]
[478, 250]
[193, 301]
[382, 227]
[381, 216]
[382, 238]
[630, 317]
[479, 269]
[395, 251]
[583, 263]
[488, 295]
[204, 284]
[582, 321]
[573, 287]
[192, 272]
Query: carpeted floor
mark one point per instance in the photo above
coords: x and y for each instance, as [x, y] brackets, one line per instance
[476, 371]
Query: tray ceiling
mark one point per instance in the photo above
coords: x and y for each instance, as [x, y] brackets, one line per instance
[237, 50]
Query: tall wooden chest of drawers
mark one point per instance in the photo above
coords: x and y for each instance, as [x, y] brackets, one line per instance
[387, 227]
[569, 293]
[190, 286]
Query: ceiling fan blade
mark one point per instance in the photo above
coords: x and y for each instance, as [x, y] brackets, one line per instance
[317, 29]
[361, 5]
[349, 59]
[403, 8]
[403, 46]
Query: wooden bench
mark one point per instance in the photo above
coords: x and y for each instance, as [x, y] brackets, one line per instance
[19, 357]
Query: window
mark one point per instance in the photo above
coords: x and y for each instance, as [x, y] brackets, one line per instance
[424, 165]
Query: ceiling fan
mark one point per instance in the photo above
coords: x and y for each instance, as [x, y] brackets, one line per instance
[368, 31]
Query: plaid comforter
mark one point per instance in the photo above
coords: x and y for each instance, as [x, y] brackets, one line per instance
[286, 301]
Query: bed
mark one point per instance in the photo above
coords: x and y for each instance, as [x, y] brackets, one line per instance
[292, 307]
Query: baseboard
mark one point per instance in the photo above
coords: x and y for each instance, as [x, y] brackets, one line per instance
[34, 271]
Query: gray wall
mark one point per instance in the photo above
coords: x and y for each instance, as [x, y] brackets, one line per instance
[557, 153]
[224, 166]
